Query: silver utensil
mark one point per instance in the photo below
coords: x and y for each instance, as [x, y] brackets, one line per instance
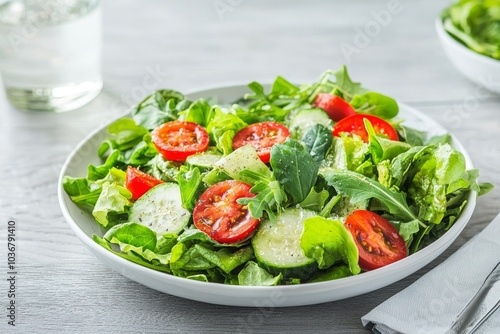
[484, 303]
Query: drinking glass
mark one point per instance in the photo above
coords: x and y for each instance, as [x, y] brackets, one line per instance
[50, 53]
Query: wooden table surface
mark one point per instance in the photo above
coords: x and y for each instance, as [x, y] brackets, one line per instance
[188, 45]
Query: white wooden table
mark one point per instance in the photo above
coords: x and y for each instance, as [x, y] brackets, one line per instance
[61, 287]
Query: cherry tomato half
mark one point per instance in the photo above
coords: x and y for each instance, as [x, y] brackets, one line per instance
[262, 136]
[219, 215]
[139, 182]
[379, 243]
[355, 125]
[177, 140]
[335, 106]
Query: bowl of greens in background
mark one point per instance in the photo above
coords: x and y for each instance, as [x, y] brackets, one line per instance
[469, 31]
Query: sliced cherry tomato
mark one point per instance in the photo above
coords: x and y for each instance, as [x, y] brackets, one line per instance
[177, 140]
[219, 215]
[139, 182]
[335, 106]
[379, 243]
[262, 136]
[355, 125]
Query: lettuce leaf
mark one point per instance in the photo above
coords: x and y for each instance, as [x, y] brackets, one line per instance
[327, 241]
[254, 275]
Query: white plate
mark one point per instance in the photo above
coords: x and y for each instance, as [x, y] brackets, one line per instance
[84, 226]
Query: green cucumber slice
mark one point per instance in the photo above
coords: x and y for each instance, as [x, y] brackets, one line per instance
[161, 209]
[277, 245]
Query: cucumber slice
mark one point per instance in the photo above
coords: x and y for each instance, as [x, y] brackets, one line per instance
[204, 161]
[277, 245]
[243, 158]
[306, 119]
[161, 209]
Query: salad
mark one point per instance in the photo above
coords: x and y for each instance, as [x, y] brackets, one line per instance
[299, 184]
[476, 24]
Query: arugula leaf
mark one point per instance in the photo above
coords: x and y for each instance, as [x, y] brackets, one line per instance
[281, 86]
[359, 188]
[375, 104]
[258, 89]
[260, 111]
[347, 87]
[254, 275]
[294, 168]
[270, 195]
[318, 141]
[327, 241]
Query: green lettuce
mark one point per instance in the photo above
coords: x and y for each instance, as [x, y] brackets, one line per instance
[327, 241]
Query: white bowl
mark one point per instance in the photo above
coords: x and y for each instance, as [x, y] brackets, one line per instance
[478, 68]
[84, 226]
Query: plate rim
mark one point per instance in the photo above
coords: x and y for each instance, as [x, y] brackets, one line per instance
[347, 282]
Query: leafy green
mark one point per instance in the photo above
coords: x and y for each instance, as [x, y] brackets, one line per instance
[315, 201]
[375, 104]
[318, 141]
[100, 172]
[125, 133]
[269, 195]
[80, 193]
[252, 274]
[332, 273]
[420, 185]
[226, 260]
[349, 153]
[412, 136]
[346, 86]
[160, 107]
[189, 181]
[222, 127]
[294, 168]
[113, 200]
[199, 112]
[327, 241]
[131, 256]
[428, 186]
[476, 24]
[359, 188]
[133, 234]
[382, 148]
[162, 169]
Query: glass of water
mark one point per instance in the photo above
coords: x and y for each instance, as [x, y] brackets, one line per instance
[50, 53]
